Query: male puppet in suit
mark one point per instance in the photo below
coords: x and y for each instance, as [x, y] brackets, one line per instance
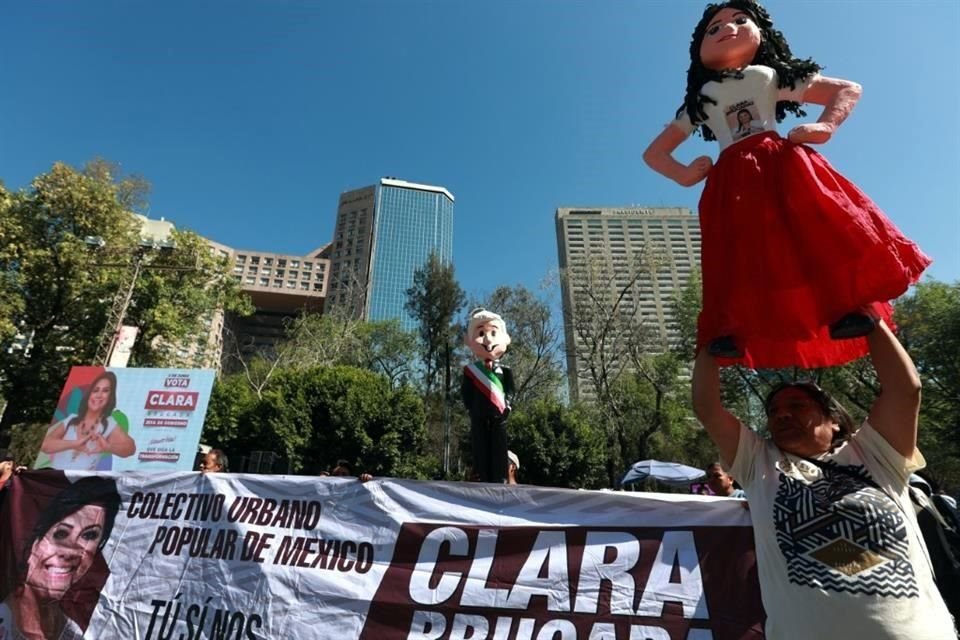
[486, 389]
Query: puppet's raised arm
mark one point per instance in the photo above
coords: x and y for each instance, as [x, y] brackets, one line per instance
[659, 157]
[838, 98]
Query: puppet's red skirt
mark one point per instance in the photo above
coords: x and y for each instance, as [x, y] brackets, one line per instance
[790, 246]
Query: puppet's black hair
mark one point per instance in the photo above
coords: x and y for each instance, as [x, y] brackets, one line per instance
[773, 52]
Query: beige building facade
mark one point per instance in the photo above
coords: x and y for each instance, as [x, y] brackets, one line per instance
[639, 256]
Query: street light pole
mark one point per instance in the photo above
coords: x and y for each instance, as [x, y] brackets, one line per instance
[124, 295]
[118, 311]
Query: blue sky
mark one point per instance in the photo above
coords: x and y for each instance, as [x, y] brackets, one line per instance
[250, 118]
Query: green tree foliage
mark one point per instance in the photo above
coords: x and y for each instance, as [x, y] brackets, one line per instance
[314, 340]
[434, 301]
[62, 298]
[317, 416]
[11, 302]
[558, 446]
[929, 320]
[534, 352]
[61, 289]
[177, 298]
[25, 440]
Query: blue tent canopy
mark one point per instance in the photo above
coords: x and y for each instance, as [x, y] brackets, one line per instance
[668, 472]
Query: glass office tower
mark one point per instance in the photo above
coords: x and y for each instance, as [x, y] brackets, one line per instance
[375, 256]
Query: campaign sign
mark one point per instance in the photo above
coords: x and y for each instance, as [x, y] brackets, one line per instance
[124, 419]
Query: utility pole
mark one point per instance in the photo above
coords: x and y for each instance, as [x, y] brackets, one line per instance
[124, 296]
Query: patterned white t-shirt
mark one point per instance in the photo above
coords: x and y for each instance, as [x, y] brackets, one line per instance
[839, 552]
[745, 106]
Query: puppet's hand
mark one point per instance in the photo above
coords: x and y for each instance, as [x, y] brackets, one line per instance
[695, 171]
[811, 133]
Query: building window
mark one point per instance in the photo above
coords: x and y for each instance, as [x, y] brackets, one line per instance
[291, 284]
[268, 261]
[305, 286]
[281, 262]
[254, 259]
[264, 282]
[241, 259]
[251, 280]
[307, 266]
[266, 271]
[252, 270]
[294, 274]
[294, 263]
[278, 284]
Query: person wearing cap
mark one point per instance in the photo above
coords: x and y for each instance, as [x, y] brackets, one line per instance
[513, 465]
[836, 535]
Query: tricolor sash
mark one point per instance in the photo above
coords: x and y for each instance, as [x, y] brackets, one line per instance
[488, 383]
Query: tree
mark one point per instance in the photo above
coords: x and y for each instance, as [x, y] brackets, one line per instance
[929, 320]
[313, 340]
[534, 353]
[433, 301]
[11, 302]
[387, 349]
[62, 288]
[175, 301]
[61, 297]
[317, 416]
[610, 335]
[558, 446]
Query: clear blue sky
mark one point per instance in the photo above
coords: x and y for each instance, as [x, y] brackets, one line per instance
[250, 118]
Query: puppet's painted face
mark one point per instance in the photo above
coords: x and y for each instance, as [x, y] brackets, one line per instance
[488, 341]
[730, 41]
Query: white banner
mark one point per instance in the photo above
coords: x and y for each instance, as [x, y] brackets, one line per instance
[188, 556]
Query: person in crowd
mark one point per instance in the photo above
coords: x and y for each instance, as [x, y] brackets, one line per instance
[838, 550]
[215, 461]
[513, 466]
[56, 579]
[342, 469]
[79, 441]
[721, 483]
[8, 467]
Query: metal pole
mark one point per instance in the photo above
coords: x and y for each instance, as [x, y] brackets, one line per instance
[446, 413]
[118, 313]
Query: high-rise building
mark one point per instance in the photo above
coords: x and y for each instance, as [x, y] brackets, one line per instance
[632, 258]
[383, 234]
[281, 287]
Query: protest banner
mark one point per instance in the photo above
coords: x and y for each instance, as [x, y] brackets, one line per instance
[127, 419]
[191, 556]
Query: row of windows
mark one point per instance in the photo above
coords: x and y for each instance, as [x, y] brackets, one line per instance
[280, 273]
[281, 262]
[279, 284]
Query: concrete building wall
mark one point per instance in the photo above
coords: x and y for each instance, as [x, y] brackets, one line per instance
[664, 240]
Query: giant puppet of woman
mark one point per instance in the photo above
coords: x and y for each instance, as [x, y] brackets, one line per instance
[798, 263]
[486, 389]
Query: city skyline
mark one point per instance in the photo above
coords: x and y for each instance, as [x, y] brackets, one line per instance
[250, 123]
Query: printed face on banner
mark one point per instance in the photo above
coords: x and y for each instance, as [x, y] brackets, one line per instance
[64, 554]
